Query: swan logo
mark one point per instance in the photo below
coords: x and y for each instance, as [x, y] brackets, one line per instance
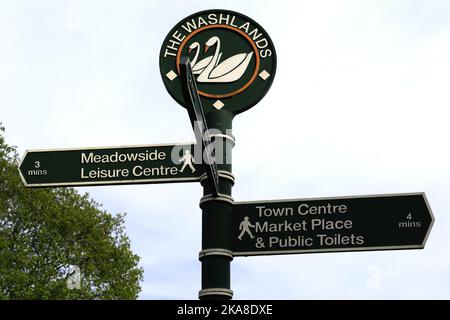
[209, 68]
[232, 58]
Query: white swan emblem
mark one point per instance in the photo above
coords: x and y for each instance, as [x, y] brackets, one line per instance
[228, 70]
[198, 67]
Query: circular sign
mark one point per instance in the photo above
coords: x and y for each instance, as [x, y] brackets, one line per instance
[232, 58]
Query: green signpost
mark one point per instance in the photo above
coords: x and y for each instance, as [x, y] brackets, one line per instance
[217, 64]
[379, 222]
[110, 165]
[232, 62]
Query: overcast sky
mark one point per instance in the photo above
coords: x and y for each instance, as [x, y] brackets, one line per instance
[359, 106]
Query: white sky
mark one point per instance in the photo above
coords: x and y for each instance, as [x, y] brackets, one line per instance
[359, 105]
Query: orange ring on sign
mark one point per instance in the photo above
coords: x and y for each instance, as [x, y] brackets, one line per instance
[255, 73]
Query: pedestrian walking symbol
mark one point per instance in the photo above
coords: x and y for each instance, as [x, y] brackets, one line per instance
[187, 160]
[245, 228]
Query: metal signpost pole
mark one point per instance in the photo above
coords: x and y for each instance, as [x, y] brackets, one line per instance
[216, 203]
[232, 66]
[216, 254]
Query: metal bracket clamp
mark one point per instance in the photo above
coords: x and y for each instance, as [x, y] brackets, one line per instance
[224, 136]
[215, 292]
[222, 173]
[221, 197]
[215, 252]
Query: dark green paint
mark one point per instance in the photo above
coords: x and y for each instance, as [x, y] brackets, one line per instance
[376, 218]
[216, 221]
[232, 43]
[63, 167]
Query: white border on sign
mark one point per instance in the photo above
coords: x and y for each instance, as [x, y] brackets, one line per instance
[399, 247]
[98, 183]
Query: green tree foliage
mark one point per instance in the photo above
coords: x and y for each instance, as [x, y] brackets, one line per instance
[44, 233]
